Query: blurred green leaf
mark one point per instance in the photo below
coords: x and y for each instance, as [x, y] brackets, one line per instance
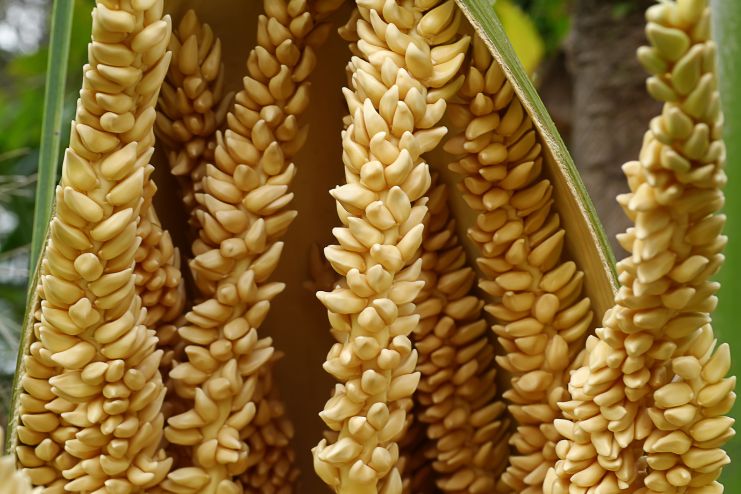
[22, 207]
[22, 102]
[727, 26]
[15, 300]
[51, 132]
[551, 18]
[522, 33]
[30, 65]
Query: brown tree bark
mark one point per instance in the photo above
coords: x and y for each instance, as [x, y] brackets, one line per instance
[611, 109]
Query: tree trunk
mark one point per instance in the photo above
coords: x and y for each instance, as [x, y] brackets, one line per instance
[611, 109]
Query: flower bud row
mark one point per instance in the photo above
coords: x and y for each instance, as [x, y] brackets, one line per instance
[239, 439]
[647, 409]
[157, 274]
[192, 105]
[456, 399]
[90, 417]
[537, 296]
[191, 108]
[399, 82]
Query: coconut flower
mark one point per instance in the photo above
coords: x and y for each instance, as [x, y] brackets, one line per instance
[394, 119]
[457, 400]
[235, 424]
[648, 406]
[92, 393]
[535, 288]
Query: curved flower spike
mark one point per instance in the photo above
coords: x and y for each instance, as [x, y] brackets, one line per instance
[192, 105]
[456, 400]
[653, 382]
[90, 414]
[234, 426]
[541, 312]
[395, 104]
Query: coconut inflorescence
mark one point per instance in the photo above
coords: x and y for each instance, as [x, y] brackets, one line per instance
[648, 405]
[463, 281]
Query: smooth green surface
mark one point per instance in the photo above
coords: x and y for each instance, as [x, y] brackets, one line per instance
[727, 319]
[51, 130]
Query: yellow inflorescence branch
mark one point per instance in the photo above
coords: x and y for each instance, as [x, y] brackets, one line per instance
[235, 427]
[91, 405]
[648, 407]
[457, 395]
[399, 83]
[538, 302]
[157, 274]
[192, 105]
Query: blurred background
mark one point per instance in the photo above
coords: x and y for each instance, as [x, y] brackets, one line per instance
[580, 54]
[24, 29]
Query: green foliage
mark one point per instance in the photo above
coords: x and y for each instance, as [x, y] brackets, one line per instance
[551, 18]
[522, 34]
[22, 94]
[51, 142]
[727, 19]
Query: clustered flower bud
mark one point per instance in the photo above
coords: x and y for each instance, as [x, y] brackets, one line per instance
[647, 409]
[235, 424]
[157, 274]
[538, 304]
[192, 105]
[456, 400]
[400, 79]
[160, 284]
[90, 408]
